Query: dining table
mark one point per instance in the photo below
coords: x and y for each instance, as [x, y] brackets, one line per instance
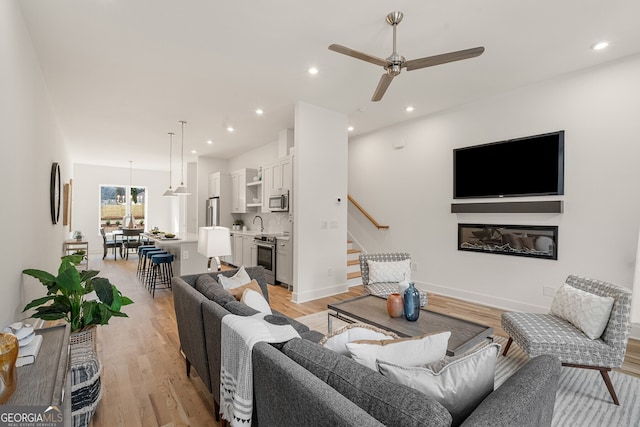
[128, 236]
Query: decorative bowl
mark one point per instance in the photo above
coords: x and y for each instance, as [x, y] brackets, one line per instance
[169, 235]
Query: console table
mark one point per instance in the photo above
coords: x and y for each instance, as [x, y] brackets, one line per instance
[72, 246]
[45, 382]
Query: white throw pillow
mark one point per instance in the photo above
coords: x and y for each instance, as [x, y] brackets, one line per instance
[357, 331]
[256, 301]
[584, 310]
[240, 278]
[459, 386]
[389, 271]
[404, 351]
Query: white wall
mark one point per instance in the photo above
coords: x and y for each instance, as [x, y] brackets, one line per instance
[411, 189]
[320, 174]
[255, 158]
[86, 198]
[31, 141]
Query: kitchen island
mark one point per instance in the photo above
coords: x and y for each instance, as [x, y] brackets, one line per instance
[184, 248]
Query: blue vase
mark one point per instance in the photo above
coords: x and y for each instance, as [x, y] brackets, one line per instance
[411, 303]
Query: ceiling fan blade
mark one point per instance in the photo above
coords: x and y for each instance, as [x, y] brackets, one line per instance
[430, 61]
[358, 55]
[383, 84]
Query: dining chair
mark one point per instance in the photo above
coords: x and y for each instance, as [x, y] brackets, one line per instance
[109, 244]
[131, 240]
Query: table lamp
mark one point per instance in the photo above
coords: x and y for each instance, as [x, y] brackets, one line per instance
[214, 242]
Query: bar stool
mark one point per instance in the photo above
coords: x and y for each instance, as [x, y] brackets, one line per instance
[141, 256]
[161, 272]
[145, 262]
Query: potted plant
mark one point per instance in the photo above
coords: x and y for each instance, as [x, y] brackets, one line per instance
[68, 296]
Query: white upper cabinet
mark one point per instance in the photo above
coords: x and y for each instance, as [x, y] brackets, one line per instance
[240, 193]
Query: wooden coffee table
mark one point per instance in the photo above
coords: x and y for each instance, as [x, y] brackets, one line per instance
[372, 310]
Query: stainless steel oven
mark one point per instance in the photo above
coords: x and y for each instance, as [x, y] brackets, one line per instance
[266, 246]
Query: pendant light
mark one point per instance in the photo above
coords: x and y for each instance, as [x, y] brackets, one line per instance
[182, 190]
[169, 192]
[129, 221]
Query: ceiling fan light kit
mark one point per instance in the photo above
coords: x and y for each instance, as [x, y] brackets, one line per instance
[394, 63]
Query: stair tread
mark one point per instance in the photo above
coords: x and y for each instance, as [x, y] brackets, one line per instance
[353, 262]
[353, 251]
[353, 275]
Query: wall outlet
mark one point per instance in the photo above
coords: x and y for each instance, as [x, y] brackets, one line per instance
[548, 291]
[333, 224]
[185, 254]
[323, 225]
[414, 266]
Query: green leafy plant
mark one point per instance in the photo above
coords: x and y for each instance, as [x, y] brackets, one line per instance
[118, 223]
[107, 222]
[67, 296]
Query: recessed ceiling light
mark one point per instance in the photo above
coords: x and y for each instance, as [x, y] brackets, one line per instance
[209, 142]
[230, 129]
[409, 109]
[259, 111]
[599, 45]
[350, 128]
[313, 70]
[194, 152]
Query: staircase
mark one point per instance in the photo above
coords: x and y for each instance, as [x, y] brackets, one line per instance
[354, 277]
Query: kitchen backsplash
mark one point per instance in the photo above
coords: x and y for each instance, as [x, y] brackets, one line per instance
[276, 222]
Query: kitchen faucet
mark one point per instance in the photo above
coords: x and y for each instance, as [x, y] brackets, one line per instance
[261, 224]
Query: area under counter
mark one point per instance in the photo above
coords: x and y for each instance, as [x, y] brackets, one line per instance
[184, 249]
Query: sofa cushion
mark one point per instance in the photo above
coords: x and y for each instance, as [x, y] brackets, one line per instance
[584, 310]
[205, 284]
[404, 351]
[338, 339]
[388, 402]
[239, 309]
[460, 385]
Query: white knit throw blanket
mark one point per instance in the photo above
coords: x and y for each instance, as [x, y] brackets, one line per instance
[239, 334]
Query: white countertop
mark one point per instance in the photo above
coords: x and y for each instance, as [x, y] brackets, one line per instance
[180, 238]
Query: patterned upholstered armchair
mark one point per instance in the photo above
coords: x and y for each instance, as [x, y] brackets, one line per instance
[384, 289]
[540, 334]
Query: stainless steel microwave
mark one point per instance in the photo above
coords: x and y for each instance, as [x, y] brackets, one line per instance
[279, 200]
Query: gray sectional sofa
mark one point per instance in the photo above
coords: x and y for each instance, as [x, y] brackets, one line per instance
[301, 383]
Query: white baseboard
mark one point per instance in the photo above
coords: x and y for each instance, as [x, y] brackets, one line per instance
[298, 297]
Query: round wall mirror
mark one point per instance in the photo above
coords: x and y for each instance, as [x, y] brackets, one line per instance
[54, 192]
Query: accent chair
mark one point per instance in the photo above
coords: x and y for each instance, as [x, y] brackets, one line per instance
[538, 334]
[384, 288]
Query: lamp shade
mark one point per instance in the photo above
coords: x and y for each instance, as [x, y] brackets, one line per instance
[214, 241]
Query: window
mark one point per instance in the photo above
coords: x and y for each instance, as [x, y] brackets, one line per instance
[113, 205]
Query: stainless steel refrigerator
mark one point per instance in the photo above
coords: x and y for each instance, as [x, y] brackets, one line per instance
[213, 211]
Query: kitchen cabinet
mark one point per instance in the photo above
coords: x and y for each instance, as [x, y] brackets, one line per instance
[214, 185]
[239, 189]
[284, 261]
[247, 252]
[275, 176]
[244, 250]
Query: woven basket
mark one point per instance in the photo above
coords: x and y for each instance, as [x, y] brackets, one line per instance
[84, 338]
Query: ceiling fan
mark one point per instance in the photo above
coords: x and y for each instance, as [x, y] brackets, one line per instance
[394, 63]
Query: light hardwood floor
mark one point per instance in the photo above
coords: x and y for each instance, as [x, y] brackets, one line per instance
[144, 380]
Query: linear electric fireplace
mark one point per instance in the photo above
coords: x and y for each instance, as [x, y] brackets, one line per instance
[521, 240]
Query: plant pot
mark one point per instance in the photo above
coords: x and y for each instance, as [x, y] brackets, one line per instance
[85, 337]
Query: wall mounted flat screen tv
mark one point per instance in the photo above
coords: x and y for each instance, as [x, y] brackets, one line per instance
[531, 166]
